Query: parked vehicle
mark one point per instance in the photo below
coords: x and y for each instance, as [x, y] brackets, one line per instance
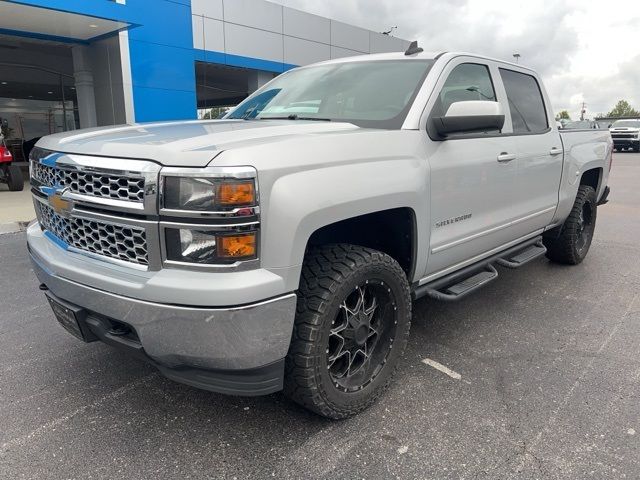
[626, 134]
[281, 247]
[9, 172]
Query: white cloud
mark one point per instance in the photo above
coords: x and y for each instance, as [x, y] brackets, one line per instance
[583, 49]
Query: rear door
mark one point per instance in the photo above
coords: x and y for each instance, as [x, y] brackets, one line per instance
[539, 151]
[472, 176]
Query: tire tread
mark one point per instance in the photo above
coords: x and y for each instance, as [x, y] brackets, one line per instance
[323, 271]
[562, 249]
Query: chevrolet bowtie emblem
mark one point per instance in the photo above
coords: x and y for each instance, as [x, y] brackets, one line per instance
[60, 205]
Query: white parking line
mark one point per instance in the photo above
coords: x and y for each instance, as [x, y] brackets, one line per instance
[442, 368]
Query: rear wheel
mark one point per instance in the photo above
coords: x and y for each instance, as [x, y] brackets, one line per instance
[352, 323]
[14, 178]
[573, 243]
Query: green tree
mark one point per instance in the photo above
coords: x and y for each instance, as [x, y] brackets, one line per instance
[563, 115]
[214, 113]
[623, 109]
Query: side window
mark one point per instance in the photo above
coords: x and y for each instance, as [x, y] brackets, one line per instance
[467, 81]
[528, 114]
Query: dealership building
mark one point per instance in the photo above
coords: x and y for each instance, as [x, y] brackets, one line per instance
[67, 64]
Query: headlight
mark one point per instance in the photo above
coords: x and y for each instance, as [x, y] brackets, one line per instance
[209, 217]
[204, 194]
[209, 247]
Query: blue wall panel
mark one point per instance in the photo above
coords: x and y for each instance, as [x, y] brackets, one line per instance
[153, 104]
[162, 60]
[162, 66]
[165, 22]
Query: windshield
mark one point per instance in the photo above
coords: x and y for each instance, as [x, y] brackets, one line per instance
[376, 94]
[626, 123]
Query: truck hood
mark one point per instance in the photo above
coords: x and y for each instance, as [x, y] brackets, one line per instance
[624, 130]
[184, 144]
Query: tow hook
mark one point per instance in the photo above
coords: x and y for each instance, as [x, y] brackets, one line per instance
[43, 287]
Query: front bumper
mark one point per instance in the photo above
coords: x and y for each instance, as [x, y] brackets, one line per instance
[236, 349]
[625, 142]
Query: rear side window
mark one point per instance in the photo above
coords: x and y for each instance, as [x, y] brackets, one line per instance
[528, 114]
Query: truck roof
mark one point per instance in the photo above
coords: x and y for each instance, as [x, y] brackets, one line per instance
[421, 55]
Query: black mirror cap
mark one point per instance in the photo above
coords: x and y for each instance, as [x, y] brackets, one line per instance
[446, 126]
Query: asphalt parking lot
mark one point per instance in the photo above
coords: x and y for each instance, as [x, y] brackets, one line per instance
[549, 387]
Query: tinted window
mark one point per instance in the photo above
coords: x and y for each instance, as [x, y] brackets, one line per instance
[528, 114]
[467, 81]
[369, 93]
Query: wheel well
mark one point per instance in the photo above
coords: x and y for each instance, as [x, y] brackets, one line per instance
[389, 231]
[591, 178]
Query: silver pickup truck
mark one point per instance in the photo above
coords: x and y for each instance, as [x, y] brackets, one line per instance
[280, 248]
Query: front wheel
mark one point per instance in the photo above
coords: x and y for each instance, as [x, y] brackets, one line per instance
[573, 243]
[351, 328]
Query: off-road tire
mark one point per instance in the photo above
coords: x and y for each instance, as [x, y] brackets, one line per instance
[329, 274]
[14, 178]
[565, 248]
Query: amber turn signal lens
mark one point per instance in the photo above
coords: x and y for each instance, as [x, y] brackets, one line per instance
[241, 246]
[231, 194]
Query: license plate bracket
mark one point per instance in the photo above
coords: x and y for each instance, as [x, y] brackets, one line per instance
[70, 317]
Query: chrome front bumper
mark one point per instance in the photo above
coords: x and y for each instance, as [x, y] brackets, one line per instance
[195, 344]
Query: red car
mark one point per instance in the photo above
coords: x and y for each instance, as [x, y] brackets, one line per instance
[9, 173]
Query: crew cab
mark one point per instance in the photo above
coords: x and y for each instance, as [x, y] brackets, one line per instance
[281, 247]
[626, 134]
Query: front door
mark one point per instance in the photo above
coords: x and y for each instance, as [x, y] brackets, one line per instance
[472, 177]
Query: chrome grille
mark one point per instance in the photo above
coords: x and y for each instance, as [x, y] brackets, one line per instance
[125, 188]
[120, 242]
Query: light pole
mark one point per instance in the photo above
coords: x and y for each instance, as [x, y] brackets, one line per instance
[517, 57]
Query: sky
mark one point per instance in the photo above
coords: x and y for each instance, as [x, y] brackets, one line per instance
[586, 50]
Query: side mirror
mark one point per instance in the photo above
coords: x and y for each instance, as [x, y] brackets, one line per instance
[470, 116]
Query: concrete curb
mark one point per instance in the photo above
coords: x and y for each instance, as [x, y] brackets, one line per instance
[13, 227]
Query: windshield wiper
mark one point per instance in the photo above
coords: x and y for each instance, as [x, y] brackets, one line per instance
[295, 116]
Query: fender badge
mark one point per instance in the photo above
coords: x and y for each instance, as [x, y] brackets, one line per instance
[60, 205]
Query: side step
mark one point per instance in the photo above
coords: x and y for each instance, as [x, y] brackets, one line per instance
[461, 283]
[451, 289]
[525, 255]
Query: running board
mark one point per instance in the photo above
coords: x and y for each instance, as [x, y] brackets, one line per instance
[461, 283]
[523, 256]
[452, 289]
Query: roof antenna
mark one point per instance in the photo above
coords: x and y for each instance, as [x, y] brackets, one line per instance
[413, 48]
